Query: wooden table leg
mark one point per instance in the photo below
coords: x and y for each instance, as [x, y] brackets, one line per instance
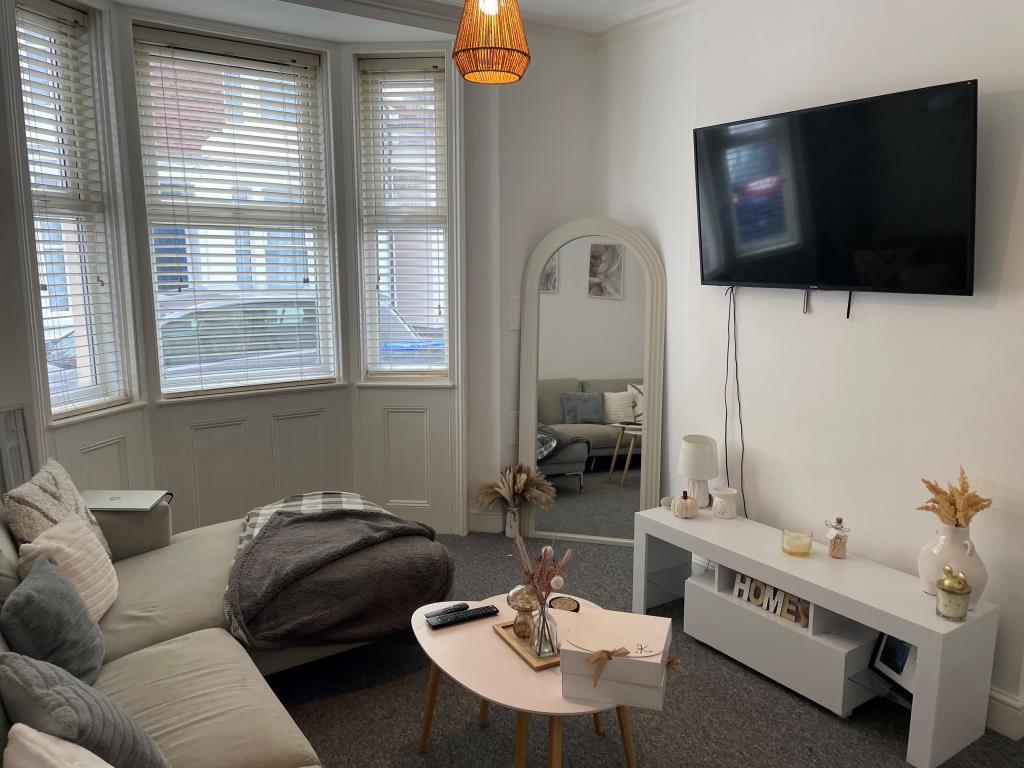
[554, 742]
[522, 737]
[615, 453]
[485, 711]
[599, 723]
[428, 713]
[629, 458]
[627, 736]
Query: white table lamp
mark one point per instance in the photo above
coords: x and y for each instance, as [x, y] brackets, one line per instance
[698, 463]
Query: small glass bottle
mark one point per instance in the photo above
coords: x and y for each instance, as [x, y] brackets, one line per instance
[837, 537]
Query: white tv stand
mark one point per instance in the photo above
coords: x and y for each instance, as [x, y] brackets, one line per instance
[851, 601]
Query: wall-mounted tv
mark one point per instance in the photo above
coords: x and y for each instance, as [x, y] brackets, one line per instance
[868, 195]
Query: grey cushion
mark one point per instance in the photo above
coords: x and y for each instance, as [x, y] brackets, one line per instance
[47, 698]
[549, 398]
[45, 618]
[583, 408]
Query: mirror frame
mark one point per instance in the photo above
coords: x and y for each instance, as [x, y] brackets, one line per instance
[654, 353]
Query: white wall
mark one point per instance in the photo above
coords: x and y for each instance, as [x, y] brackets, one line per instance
[586, 338]
[842, 417]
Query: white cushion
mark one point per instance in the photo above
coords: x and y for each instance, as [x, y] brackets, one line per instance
[618, 406]
[28, 748]
[82, 559]
[637, 391]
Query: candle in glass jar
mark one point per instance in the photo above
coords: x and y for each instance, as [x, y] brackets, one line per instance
[797, 542]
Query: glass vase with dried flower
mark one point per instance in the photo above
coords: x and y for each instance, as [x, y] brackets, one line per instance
[955, 506]
[545, 575]
[517, 486]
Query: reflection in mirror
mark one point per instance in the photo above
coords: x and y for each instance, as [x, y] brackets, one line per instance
[590, 386]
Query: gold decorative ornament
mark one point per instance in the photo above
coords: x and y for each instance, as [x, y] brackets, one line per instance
[490, 47]
[952, 595]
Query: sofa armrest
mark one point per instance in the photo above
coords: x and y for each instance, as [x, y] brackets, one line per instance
[131, 533]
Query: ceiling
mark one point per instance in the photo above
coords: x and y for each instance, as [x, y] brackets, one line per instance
[592, 16]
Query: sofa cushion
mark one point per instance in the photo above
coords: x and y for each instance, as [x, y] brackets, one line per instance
[618, 406]
[29, 748]
[206, 705]
[582, 408]
[43, 501]
[607, 385]
[50, 700]
[549, 399]
[81, 558]
[44, 618]
[600, 435]
[171, 591]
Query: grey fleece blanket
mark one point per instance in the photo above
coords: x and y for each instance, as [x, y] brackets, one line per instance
[331, 568]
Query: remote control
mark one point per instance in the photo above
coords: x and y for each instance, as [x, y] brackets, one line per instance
[450, 609]
[451, 619]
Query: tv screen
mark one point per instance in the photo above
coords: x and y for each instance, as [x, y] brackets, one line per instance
[868, 195]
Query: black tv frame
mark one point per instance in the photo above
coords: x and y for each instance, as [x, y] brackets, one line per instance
[969, 291]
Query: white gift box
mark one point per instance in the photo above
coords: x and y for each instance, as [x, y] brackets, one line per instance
[633, 680]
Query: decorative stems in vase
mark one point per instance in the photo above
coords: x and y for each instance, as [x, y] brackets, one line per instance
[545, 575]
[517, 486]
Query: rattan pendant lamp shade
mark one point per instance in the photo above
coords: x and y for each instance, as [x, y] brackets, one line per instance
[491, 45]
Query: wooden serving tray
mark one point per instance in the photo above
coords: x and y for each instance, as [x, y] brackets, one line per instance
[522, 648]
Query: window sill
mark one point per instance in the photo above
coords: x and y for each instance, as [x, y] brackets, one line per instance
[100, 413]
[387, 383]
[268, 392]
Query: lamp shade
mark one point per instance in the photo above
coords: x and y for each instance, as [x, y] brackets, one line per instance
[698, 458]
[491, 47]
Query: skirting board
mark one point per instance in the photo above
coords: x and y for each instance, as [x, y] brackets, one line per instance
[486, 522]
[1005, 711]
[1006, 714]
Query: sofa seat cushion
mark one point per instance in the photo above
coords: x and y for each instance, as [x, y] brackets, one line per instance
[171, 591]
[600, 436]
[204, 703]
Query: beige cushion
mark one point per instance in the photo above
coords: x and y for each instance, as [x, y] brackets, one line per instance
[171, 591]
[618, 406]
[42, 502]
[204, 703]
[81, 558]
[28, 748]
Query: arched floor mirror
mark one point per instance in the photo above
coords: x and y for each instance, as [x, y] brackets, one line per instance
[592, 359]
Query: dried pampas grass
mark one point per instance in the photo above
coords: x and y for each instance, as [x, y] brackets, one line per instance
[517, 486]
[957, 505]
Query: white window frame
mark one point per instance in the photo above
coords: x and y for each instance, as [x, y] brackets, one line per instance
[456, 226]
[244, 38]
[107, 124]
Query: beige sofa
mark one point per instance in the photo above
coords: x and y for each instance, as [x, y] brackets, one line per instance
[171, 664]
[549, 411]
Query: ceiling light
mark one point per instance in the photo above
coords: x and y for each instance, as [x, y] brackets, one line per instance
[491, 46]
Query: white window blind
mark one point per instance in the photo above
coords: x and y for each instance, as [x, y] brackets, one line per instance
[80, 318]
[403, 181]
[236, 200]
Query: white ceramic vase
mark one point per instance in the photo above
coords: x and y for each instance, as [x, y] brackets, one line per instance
[952, 546]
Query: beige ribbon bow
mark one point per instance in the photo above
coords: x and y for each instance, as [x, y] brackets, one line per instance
[599, 660]
[675, 664]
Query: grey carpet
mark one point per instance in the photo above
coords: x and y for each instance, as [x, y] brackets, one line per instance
[603, 509]
[364, 708]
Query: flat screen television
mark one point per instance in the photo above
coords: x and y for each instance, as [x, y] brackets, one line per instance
[868, 195]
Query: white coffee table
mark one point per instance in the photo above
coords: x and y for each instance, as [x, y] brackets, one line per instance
[475, 657]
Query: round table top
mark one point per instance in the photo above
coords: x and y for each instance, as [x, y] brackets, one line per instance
[475, 657]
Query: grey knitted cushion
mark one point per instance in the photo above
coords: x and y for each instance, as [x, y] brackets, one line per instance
[47, 698]
[45, 618]
[583, 408]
